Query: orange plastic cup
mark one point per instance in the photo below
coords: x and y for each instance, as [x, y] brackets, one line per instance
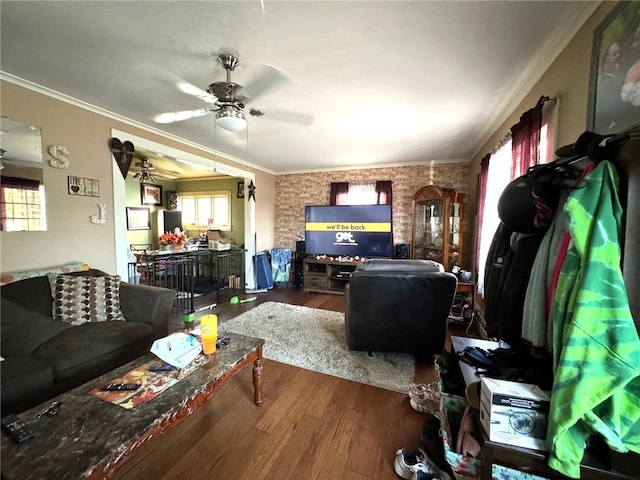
[209, 331]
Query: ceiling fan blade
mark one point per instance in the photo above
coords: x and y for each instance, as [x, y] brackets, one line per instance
[171, 117]
[283, 115]
[190, 89]
[267, 78]
[174, 80]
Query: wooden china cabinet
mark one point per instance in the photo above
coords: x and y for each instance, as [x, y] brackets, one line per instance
[437, 225]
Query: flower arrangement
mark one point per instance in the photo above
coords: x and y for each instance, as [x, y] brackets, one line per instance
[175, 238]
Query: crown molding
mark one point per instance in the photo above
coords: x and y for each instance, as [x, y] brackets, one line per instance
[373, 167]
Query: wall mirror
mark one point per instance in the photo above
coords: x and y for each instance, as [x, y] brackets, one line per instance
[22, 198]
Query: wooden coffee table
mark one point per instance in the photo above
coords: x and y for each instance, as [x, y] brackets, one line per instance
[89, 437]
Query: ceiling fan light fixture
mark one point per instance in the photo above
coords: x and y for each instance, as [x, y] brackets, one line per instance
[231, 119]
[145, 174]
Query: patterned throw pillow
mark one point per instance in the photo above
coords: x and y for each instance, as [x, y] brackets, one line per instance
[81, 299]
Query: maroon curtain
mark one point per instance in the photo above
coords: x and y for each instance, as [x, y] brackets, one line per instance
[339, 193]
[525, 140]
[383, 191]
[21, 183]
[482, 195]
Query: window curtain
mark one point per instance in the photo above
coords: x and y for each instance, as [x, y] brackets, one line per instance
[361, 193]
[21, 183]
[384, 192]
[498, 177]
[525, 140]
[482, 195]
[339, 194]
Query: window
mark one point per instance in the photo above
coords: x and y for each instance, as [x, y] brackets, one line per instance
[500, 174]
[497, 179]
[200, 209]
[361, 193]
[22, 204]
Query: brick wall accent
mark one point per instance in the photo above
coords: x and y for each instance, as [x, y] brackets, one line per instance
[295, 191]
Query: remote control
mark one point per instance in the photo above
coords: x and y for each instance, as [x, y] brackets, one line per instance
[118, 387]
[16, 428]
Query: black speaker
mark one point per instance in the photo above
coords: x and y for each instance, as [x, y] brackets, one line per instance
[298, 275]
[403, 251]
[172, 201]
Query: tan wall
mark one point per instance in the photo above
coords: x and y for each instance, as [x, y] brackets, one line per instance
[71, 236]
[295, 191]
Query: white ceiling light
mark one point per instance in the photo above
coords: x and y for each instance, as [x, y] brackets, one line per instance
[231, 118]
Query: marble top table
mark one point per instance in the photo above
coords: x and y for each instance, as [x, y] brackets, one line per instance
[89, 437]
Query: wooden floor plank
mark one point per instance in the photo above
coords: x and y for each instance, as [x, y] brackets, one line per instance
[310, 425]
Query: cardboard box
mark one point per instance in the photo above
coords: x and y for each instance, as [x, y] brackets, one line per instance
[216, 242]
[514, 413]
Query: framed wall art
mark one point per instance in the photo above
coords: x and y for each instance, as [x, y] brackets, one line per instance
[614, 84]
[138, 218]
[86, 187]
[151, 194]
[240, 189]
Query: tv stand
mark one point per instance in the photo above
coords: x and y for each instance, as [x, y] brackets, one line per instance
[326, 276]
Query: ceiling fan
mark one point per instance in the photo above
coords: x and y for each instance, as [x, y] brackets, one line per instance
[146, 172]
[226, 100]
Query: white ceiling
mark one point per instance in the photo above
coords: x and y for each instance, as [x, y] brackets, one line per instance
[387, 82]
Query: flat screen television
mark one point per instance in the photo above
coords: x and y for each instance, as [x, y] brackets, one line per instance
[349, 230]
[172, 219]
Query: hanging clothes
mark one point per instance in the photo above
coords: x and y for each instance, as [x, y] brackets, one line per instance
[498, 259]
[596, 348]
[514, 286]
[280, 264]
[534, 311]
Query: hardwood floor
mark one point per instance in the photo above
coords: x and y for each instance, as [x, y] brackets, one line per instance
[310, 425]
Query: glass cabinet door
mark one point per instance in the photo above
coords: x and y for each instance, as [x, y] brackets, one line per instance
[437, 225]
[454, 234]
[429, 229]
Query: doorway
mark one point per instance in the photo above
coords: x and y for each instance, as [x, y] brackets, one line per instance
[119, 200]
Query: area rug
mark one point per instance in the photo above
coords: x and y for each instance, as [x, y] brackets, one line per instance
[315, 340]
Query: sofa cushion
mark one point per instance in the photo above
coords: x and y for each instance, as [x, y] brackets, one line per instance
[86, 298]
[394, 265]
[80, 349]
[23, 330]
[7, 278]
[32, 293]
[26, 381]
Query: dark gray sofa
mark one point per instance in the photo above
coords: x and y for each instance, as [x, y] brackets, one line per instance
[398, 306]
[44, 357]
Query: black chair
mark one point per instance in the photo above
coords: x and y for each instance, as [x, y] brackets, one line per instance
[398, 306]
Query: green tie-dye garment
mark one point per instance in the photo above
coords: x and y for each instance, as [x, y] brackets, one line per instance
[595, 342]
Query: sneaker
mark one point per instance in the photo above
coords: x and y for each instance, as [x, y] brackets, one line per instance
[416, 465]
[420, 475]
[408, 462]
[425, 398]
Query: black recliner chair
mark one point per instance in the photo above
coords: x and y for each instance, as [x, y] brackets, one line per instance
[398, 306]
